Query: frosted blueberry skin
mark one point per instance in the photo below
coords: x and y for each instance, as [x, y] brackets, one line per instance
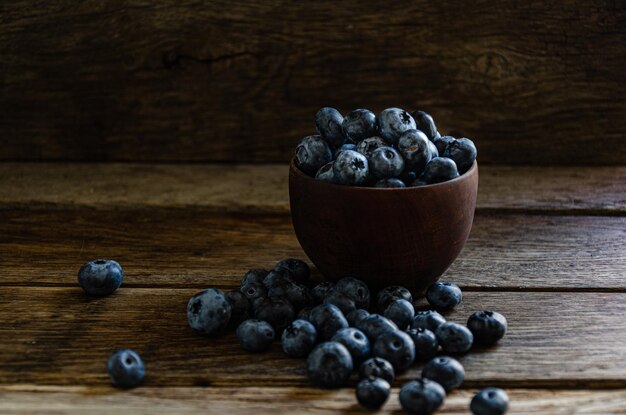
[297, 268]
[444, 295]
[487, 327]
[355, 316]
[377, 367]
[347, 146]
[401, 312]
[240, 307]
[355, 341]
[209, 311]
[434, 152]
[393, 122]
[321, 290]
[463, 152]
[422, 396]
[255, 335]
[454, 338]
[328, 122]
[312, 153]
[425, 123]
[329, 365]
[389, 183]
[299, 338]
[368, 145]
[446, 371]
[372, 393]
[356, 290]
[390, 293]
[426, 344]
[100, 277]
[275, 310]
[442, 142]
[440, 169]
[415, 148]
[351, 168]
[342, 301]
[253, 291]
[395, 347]
[327, 319]
[429, 319]
[385, 163]
[374, 325]
[359, 124]
[326, 174]
[490, 401]
[126, 369]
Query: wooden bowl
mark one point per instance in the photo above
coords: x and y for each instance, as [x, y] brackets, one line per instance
[406, 236]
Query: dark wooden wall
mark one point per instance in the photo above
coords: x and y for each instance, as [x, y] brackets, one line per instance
[179, 80]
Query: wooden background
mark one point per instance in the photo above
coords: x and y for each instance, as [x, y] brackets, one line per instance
[532, 82]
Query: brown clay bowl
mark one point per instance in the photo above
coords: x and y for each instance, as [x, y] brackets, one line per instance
[407, 236]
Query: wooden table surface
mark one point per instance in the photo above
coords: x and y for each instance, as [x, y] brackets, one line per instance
[547, 249]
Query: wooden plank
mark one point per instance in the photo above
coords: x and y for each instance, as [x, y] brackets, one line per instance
[255, 188]
[182, 80]
[59, 336]
[247, 400]
[193, 248]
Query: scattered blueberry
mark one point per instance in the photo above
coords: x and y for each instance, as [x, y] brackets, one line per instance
[326, 174]
[355, 341]
[444, 295]
[275, 310]
[209, 311]
[377, 367]
[372, 393]
[276, 277]
[368, 145]
[393, 122]
[126, 369]
[389, 183]
[359, 124]
[422, 396]
[299, 338]
[347, 146]
[463, 152]
[255, 335]
[356, 290]
[446, 371]
[390, 293]
[487, 326]
[297, 294]
[397, 348]
[401, 312]
[342, 301]
[426, 344]
[454, 338]
[385, 163]
[429, 319]
[312, 153]
[351, 168]
[254, 275]
[253, 290]
[329, 365]
[414, 147]
[440, 169]
[327, 319]
[374, 325]
[425, 123]
[100, 277]
[240, 307]
[321, 290]
[490, 401]
[442, 142]
[355, 316]
[328, 122]
[298, 269]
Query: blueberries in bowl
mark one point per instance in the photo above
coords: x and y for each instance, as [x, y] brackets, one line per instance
[425, 124]
[440, 169]
[463, 152]
[312, 153]
[359, 125]
[415, 148]
[393, 122]
[328, 122]
[389, 183]
[367, 146]
[351, 168]
[386, 163]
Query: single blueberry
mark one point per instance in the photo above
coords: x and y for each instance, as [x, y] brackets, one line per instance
[297, 268]
[100, 277]
[345, 303]
[385, 163]
[393, 122]
[368, 145]
[240, 307]
[312, 153]
[444, 295]
[454, 338]
[327, 319]
[414, 147]
[487, 326]
[297, 294]
[463, 152]
[490, 401]
[389, 183]
[356, 290]
[299, 338]
[401, 312]
[321, 290]
[326, 174]
[347, 146]
[438, 170]
[434, 152]
[255, 335]
[359, 124]
[126, 369]
[397, 348]
[390, 293]
[253, 290]
[446, 371]
[408, 176]
[428, 319]
[355, 316]
[209, 311]
[425, 123]
[377, 367]
[275, 310]
[355, 341]
[426, 344]
[254, 275]
[372, 393]
[328, 123]
[442, 142]
[351, 168]
[374, 325]
[329, 365]
[277, 276]
[422, 396]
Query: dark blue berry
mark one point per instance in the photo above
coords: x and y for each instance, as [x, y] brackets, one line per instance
[390, 293]
[463, 152]
[355, 316]
[326, 174]
[454, 338]
[126, 369]
[425, 123]
[100, 277]
[209, 311]
[276, 277]
[377, 367]
[328, 123]
[374, 325]
[400, 312]
[490, 401]
[487, 326]
[329, 365]
[351, 168]
[297, 294]
[345, 303]
[393, 122]
[434, 152]
[439, 169]
[297, 269]
[372, 393]
[255, 335]
[368, 145]
[299, 338]
[275, 310]
[327, 319]
[240, 307]
[414, 147]
[355, 341]
[304, 313]
[385, 163]
[312, 153]
[418, 182]
[429, 319]
[254, 275]
[396, 347]
[444, 295]
[356, 290]
[321, 290]
[446, 371]
[389, 183]
[253, 291]
[422, 396]
[442, 142]
[347, 146]
[359, 124]
[426, 344]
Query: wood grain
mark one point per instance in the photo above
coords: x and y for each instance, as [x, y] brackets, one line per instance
[276, 400]
[263, 188]
[59, 336]
[233, 80]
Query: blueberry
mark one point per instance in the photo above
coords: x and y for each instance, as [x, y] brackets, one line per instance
[438, 170]
[359, 124]
[209, 311]
[254, 275]
[446, 371]
[487, 326]
[355, 316]
[329, 365]
[304, 314]
[345, 303]
[377, 367]
[396, 347]
[463, 152]
[276, 277]
[328, 123]
[434, 152]
[490, 401]
[425, 123]
[368, 145]
[422, 396]
[240, 307]
[356, 290]
[351, 168]
[372, 393]
[297, 294]
[429, 319]
[255, 335]
[454, 338]
[126, 369]
[408, 176]
[389, 183]
[444, 295]
[297, 268]
[414, 147]
[426, 344]
[374, 325]
[321, 290]
[312, 153]
[347, 146]
[326, 174]
[390, 293]
[100, 277]
[275, 310]
[442, 142]
[401, 312]
[385, 163]
[253, 290]
[418, 182]
[327, 319]
[355, 341]
[299, 338]
[393, 122]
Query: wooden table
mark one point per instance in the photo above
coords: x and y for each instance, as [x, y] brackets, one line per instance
[547, 249]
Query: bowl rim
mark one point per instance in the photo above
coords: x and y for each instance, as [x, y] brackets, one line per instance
[301, 174]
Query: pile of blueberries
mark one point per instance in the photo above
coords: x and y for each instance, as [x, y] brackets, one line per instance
[341, 328]
[395, 149]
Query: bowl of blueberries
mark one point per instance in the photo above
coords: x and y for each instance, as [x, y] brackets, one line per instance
[385, 198]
